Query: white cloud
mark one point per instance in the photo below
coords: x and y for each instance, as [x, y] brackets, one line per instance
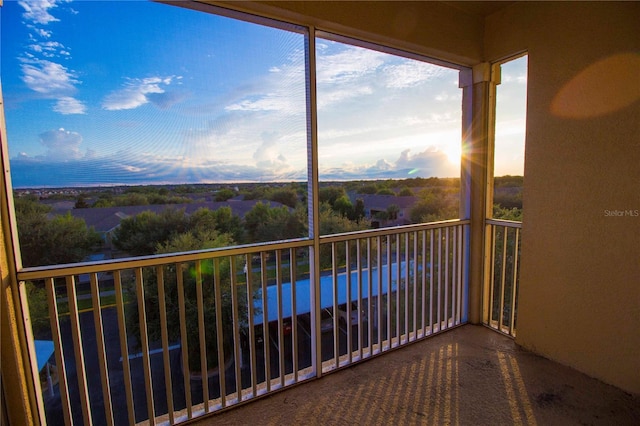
[347, 65]
[49, 49]
[430, 162]
[38, 11]
[61, 144]
[42, 32]
[68, 105]
[47, 77]
[39, 71]
[268, 155]
[410, 73]
[166, 100]
[138, 92]
[269, 102]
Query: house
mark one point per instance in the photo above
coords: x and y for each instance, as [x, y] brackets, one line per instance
[105, 220]
[375, 204]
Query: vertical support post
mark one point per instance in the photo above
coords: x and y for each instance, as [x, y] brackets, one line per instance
[314, 214]
[476, 174]
[21, 405]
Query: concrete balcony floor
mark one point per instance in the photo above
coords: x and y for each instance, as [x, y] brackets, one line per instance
[467, 376]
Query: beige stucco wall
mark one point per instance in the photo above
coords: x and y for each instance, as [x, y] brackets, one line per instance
[579, 300]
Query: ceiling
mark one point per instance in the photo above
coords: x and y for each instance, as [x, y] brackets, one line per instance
[479, 8]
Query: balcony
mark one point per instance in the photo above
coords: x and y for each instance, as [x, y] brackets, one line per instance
[384, 289]
[468, 375]
[160, 327]
[578, 303]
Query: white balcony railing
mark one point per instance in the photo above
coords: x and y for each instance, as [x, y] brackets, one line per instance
[503, 275]
[164, 339]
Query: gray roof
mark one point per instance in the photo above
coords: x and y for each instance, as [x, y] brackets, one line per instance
[382, 202]
[105, 219]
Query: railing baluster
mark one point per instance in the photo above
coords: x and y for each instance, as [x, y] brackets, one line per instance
[63, 383]
[440, 279]
[78, 350]
[235, 315]
[349, 328]
[503, 277]
[454, 276]
[102, 355]
[217, 287]
[334, 303]
[369, 299]
[183, 339]
[124, 348]
[492, 262]
[252, 331]
[162, 306]
[294, 311]
[389, 290]
[514, 287]
[281, 354]
[202, 339]
[459, 255]
[265, 319]
[398, 287]
[415, 285]
[423, 305]
[144, 343]
[407, 286]
[359, 296]
[379, 299]
[446, 278]
[431, 277]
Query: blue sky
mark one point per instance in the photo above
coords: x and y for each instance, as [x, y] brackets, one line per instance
[144, 93]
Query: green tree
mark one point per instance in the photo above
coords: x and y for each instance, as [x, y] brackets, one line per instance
[141, 234]
[358, 210]
[38, 308]
[385, 191]
[266, 223]
[371, 188]
[392, 212]
[223, 220]
[507, 213]
[429, 208]
[286, 196]
[224, 194]
[405, 192]
[211, 274]
[104, 202]
[44, 241]
[81, 203]
[330, 194]
[343, 206]
[133, 199]
[332, 222]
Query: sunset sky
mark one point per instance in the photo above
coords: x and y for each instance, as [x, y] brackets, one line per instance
[147, 93]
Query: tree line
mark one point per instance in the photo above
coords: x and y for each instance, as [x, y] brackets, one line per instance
[47, 239]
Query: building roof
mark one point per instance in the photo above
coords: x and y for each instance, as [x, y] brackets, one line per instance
[382, 202]
[105, 219]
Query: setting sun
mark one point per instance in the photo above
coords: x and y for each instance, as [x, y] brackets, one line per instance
[453, 152]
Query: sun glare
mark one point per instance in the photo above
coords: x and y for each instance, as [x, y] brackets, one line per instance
[453, 152]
